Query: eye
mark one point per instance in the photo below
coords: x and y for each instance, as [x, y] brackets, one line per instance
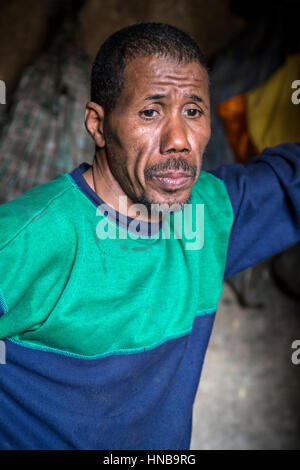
[148, 113]
[194, 112]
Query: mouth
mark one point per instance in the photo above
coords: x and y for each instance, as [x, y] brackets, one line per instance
[173, 179]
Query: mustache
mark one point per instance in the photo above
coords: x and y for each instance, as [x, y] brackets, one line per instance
[171, 164]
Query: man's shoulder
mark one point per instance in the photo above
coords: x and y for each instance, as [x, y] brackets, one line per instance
[209, 189]
[36, 210]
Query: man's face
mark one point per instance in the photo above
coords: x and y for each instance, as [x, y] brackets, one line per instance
[156, 134]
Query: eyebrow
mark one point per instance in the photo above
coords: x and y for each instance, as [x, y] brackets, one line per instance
[192, 97]
[195, 98]
[155, 97]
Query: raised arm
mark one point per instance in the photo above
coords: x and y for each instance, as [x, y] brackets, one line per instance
[265, 197]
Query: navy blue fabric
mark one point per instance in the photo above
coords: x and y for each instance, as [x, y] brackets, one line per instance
[265, 196]
[135, 401]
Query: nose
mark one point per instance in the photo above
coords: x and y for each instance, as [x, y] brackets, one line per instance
[174, 136]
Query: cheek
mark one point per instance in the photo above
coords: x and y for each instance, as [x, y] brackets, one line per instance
[131, 136]
[140, 143]
[141, 137]
[131, 152]
[208, 129]
[202, 135]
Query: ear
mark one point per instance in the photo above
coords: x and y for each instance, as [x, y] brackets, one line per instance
[94, 121]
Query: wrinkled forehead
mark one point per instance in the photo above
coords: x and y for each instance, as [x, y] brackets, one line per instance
[154, 74]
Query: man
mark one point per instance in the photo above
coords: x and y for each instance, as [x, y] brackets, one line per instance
[107, 300]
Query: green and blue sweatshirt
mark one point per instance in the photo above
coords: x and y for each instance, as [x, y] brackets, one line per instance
[105, 337]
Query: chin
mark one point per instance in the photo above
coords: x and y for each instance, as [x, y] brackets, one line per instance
[164, 206]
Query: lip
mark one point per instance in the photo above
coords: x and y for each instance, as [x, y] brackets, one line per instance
[173, 180]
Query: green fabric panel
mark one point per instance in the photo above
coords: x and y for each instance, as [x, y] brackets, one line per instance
[36, 242]
[109, 353]
[3, 307]
[94, 297]
[16, 214]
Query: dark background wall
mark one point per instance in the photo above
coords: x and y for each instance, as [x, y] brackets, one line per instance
[27, 27]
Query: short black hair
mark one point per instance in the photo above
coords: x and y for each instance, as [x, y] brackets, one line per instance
[137, 40]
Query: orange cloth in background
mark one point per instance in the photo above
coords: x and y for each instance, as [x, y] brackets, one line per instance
[265, 116]
[233, 114]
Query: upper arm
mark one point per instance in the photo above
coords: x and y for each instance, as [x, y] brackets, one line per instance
[265, 197]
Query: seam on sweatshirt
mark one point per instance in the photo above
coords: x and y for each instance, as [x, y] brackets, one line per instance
[121, 352]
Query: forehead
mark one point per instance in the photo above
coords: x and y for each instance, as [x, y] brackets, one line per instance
[153, 74]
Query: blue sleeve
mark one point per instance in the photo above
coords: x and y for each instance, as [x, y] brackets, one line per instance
[265, 197]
